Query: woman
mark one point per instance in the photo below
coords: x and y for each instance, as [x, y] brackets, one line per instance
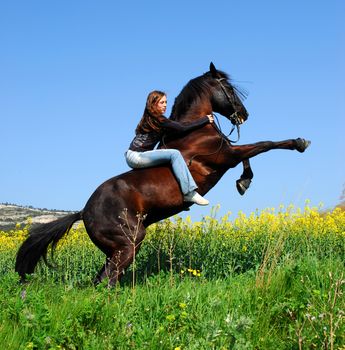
[150, 130]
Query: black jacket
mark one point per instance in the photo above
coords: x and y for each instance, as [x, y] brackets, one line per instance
[147, 141]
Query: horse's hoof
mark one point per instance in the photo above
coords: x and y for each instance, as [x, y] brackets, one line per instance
[242, 185]
[302, 144]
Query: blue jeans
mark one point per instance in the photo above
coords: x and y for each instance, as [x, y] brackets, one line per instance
[162, 156]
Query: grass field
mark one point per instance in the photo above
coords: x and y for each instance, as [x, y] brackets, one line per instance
[271, 280]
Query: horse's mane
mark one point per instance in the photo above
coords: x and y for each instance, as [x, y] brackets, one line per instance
[197, 89]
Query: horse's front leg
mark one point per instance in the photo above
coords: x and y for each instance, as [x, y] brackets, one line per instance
[244, 152]
[243, 183]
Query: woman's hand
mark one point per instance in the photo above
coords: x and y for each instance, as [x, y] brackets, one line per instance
[210, 118]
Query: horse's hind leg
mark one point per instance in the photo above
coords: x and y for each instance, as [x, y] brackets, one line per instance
[243, 183]
[127, 239]
[115, 266]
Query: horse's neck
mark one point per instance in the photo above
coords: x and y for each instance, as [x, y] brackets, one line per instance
[200, 148]
[193, 113]
[202, 142]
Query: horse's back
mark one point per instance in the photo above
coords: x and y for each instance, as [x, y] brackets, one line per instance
[151, 191]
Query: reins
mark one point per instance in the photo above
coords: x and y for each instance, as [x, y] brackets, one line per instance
[222, 139]
[235, 120]
[212, 153]
[237, 126]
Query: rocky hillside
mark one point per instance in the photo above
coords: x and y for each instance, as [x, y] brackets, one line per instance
[10, 215]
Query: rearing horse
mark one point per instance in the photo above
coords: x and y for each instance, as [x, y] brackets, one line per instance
[117, 213]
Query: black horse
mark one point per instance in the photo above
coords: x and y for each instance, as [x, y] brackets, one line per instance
[117, 213]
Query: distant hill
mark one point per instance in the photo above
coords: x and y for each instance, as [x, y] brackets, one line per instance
[341, 205]
[11, 214]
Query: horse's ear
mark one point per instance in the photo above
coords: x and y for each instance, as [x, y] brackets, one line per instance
[213, 70]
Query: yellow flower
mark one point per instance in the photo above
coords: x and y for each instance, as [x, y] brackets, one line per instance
[182, 305]
[170, 318]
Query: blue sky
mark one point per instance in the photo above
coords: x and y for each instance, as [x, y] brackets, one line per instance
[74, 76]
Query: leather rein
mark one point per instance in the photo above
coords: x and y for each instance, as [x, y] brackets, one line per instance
[235, 120]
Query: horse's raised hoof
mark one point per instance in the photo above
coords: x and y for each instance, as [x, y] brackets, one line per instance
[302, 144]
[242, 185]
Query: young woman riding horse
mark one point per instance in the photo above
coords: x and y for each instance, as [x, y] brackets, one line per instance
[152, 127]
[132, 201]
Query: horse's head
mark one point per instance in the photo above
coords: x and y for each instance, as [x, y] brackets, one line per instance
[225, 98]
[209, 92]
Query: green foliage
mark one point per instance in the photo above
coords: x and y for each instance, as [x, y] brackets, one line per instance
[273, 280]
[303, 304]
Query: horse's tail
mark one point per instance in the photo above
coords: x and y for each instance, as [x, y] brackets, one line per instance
[36, 245]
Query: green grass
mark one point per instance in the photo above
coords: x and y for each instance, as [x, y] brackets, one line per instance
[301, 305]
[270, 281]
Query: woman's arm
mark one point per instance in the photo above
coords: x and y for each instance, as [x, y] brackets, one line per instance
[173, 126]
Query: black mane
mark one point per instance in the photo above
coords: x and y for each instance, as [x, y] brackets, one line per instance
[197, 89]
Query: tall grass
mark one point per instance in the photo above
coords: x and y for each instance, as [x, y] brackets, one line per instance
[270, 280]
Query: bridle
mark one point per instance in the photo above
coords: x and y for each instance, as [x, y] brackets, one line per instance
[235, 119]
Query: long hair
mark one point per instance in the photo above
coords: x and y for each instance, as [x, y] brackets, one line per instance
[151, 119]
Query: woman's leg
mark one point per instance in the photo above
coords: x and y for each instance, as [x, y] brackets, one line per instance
[162, 156]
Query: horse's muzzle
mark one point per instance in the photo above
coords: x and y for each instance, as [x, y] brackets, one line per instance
[238, 118]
